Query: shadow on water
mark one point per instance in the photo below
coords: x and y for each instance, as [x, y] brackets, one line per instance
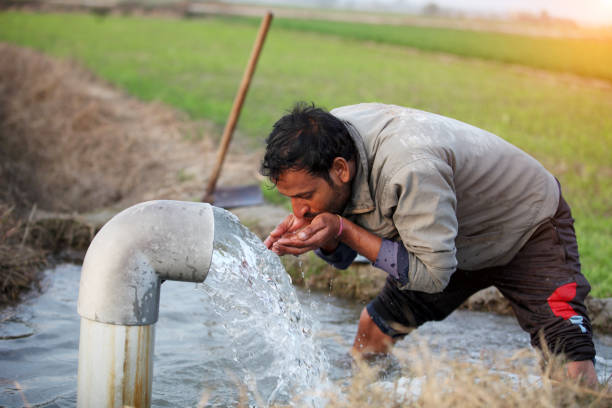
[243, 336]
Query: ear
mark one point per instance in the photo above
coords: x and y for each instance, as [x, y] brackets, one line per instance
[341, 170]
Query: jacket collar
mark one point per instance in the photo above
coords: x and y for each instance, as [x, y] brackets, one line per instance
[361, 197]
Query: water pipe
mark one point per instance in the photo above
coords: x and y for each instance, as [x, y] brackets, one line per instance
[119, 294]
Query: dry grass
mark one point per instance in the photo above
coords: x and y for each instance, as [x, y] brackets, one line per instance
[417, 376]
[19, 263]
[433, 380]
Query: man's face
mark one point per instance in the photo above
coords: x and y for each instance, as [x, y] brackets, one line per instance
[311, 195]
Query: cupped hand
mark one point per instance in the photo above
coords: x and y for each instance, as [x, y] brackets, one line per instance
[320, 233]
[289, 225]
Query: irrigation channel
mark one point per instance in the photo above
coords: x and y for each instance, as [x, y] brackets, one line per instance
[245, 332]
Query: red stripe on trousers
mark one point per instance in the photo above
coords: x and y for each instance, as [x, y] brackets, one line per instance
[559, 299]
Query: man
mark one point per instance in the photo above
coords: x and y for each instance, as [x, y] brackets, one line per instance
[446, 209]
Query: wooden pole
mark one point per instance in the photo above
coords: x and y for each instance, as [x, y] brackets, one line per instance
[237, 107]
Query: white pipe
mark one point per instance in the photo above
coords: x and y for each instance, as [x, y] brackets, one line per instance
[115, 365]
[119, 295]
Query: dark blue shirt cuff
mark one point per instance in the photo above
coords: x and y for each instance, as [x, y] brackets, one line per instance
[341, 258]
[393, 259]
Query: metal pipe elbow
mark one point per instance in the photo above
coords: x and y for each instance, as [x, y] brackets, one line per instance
[135, 251]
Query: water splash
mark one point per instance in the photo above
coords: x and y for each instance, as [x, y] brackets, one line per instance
[268, 332]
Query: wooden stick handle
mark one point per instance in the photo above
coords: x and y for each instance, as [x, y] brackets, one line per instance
[237, 107]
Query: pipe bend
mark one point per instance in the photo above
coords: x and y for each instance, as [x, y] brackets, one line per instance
[135, 250]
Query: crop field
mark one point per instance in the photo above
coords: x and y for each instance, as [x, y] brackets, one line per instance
[564, 120]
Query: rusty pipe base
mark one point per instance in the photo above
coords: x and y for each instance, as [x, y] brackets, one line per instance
[115, 365]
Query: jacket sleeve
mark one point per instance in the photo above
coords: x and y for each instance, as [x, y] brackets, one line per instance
[421, 198]
[341, 258]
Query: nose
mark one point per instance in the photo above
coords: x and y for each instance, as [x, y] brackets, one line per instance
[300, 208]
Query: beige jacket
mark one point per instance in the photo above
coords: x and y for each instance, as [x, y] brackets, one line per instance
[455, 195]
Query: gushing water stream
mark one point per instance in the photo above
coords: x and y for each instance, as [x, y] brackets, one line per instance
[272, 344]
[244, 335]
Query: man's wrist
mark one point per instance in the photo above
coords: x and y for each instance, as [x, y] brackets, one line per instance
[331, 247]
[341, 257]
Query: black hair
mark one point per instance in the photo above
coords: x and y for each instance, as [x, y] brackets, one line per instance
[307, 138]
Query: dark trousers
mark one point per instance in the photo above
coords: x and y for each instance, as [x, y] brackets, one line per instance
[543, 283]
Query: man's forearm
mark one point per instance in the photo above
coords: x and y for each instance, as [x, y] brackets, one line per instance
[410, 270]
[360, 239]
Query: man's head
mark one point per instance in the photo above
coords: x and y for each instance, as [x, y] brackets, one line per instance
[310, 156]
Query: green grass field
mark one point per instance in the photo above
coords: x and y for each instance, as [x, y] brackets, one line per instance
[196, 66]
[582, 56]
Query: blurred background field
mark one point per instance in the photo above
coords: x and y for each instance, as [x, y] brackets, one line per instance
[551, 96]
